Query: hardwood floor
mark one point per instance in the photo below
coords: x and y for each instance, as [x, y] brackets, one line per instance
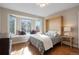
[28, 49]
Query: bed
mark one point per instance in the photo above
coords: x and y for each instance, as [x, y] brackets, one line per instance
[44, 42]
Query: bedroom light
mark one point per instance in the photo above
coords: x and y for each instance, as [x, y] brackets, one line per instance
[67, 30]
[42, 4]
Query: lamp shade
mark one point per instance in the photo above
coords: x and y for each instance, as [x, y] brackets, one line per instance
[67, 29]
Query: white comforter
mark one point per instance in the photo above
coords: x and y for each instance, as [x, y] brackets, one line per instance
[45, 39]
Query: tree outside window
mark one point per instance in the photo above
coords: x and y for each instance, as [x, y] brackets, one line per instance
[25, 25]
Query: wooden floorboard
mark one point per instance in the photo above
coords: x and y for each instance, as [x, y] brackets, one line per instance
[28, 49]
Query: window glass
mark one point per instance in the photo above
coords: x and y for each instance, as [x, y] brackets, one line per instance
[25, 25]
[38, 25]
[12, 24]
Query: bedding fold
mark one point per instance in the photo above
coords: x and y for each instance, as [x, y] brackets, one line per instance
[47, 42]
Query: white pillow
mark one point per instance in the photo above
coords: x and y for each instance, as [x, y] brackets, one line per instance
[51, 33]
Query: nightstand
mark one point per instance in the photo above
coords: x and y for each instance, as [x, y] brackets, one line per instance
[68, 39]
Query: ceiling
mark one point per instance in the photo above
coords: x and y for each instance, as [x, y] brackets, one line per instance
[33, 8]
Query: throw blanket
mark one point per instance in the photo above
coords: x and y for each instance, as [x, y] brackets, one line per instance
[47, 42]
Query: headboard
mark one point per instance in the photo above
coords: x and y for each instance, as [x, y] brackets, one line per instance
[55, 24]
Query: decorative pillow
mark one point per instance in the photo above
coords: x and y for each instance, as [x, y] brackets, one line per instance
[20, 33]
[33, 32]
[52, 33]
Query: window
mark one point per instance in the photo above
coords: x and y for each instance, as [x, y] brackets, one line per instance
[12, 24]
[25, 25]
[17, 24]
[38, 25]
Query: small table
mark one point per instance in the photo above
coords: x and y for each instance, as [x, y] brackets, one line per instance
[67, 38]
